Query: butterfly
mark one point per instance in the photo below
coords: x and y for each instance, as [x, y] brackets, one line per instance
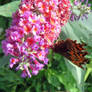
[72, 50]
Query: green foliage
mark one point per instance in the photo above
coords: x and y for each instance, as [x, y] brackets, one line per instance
[82, 32]
[7, 9]
[64, 75]
[9, 80]
[89, 66]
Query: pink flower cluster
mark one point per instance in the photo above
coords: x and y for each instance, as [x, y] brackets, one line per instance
[35, 27]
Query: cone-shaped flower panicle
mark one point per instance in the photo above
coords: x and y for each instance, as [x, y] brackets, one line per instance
[35, 27]
[80, 10]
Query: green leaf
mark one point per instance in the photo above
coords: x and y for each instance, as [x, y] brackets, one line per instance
[0, 48]
[9, 79]
[80, 31]
[61, 74]
[77, 73]
[4, 60]
[52, 79]
[12, 77]
[2, 24]
[7, 9]
[89, 70]
[28, 89]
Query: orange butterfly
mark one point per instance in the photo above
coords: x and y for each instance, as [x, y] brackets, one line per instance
[72, 51]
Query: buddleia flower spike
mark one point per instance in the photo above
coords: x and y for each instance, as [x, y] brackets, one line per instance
[35, 27]
[80, 10]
